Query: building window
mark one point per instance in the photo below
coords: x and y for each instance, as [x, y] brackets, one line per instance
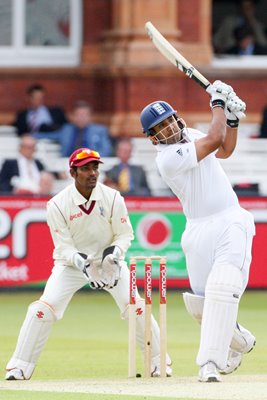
[239, 33]
[40, 33]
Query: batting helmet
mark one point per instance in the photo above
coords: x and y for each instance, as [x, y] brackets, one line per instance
[153, 114]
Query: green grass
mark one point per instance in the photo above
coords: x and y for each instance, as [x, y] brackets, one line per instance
[20, 395]
[91, 340]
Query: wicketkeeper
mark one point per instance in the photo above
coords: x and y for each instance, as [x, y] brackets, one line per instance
[218, 236]
[91, 231]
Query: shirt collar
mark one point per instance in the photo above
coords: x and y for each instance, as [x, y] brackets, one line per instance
[79, 199]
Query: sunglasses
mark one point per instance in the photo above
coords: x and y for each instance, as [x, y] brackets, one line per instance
[87, 153]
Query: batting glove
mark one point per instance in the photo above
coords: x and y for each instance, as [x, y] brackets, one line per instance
[219, 93]
[234, 111]
[111, 265]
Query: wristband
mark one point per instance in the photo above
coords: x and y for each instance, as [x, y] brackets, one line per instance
[218, 103]
[232, 123]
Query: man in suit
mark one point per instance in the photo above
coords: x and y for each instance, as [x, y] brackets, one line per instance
[129, 179]
[81, 132]
[245, 43]
[22, 175]
[38, 119]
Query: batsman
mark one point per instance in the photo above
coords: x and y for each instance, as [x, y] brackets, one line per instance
[91, 231]
[218, 236]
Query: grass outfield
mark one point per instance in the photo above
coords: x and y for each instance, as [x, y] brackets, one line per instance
[89, 347]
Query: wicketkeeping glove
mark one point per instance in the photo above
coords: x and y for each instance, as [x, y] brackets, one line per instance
[111, 265]
[96, 280]
[84, 263]
[234, 111]
[219, 93]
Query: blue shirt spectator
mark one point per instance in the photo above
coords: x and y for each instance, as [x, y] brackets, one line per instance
[81, 132]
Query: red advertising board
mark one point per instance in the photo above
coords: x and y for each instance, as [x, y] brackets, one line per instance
[26, 246]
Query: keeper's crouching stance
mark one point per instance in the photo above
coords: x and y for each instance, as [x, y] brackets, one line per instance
[91, 232]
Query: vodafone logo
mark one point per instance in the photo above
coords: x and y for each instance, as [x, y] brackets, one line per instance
[154, 231]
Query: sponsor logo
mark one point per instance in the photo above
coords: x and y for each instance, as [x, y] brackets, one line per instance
[14, 274]
[139, 311]
[132, 285]
[163, 284]
[123, 220]
[154, 231]
[40, 314]
[74, 216]
[190, 72]
[180, 152]
[148, 283]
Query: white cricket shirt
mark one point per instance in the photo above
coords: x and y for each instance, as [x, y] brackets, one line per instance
[88, 228]
[202, 187]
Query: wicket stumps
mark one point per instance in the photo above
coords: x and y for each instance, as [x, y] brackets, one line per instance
[148, 313]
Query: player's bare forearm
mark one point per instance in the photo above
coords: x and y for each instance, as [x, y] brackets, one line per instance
[228, 146]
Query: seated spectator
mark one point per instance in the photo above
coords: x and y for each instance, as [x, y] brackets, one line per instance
[129, 179]
[81, 132]
[245, 16]
[38, 119]
[46, 184]
[263, 126]
[22, 174]
[245, 43]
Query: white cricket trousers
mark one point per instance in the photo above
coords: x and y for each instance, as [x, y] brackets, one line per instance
[62, 284]
[220, 239]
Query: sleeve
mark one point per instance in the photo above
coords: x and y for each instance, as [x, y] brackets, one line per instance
[5, 177]
[121, 224]
[63, 243]
[178, 160]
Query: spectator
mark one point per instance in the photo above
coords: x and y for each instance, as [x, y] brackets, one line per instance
[263, 127]
[46, 183]
[22, 174]
[38, 119]
[245, 15]
[129, 179]
[245, 43]
[81, 132]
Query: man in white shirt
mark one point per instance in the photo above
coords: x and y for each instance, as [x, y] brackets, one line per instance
[91, 231]
[22, 174]
[218, 236]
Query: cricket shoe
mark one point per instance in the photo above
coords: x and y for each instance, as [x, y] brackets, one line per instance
[209, 373]
[156, 372]
[155, 367]
[15, 374]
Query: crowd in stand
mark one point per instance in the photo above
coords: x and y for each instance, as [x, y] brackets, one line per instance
[25, 174]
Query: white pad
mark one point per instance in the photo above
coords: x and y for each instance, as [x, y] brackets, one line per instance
[32, 337]
[140, 331]
[242, 340]
[194, 305]
[222, 296]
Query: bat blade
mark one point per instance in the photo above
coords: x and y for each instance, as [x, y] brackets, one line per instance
[173, 55]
